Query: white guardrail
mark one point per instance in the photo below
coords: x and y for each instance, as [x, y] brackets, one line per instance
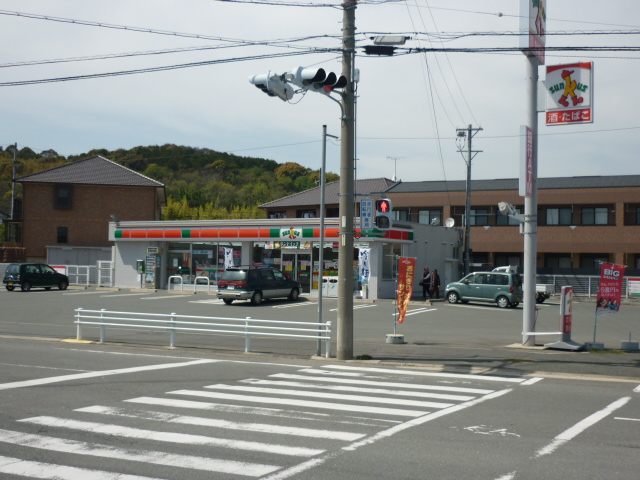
[174, 323]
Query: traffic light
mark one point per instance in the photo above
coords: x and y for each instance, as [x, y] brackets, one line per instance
[273, 85]
[384, 212]
[316, 79]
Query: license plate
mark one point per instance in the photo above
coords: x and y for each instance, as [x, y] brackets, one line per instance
[10, 284]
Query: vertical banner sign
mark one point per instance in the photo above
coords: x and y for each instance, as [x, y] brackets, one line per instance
[228, 257]
[364, 269]
[566, 310]
[406, 274]
[526, 161]
[610, 289]
[569, 94]
[533, 27]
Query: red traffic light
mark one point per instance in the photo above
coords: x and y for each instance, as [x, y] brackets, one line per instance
[383, 206]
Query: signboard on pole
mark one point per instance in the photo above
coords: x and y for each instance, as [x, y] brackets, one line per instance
[366, 214]
[610, 289]
[526, 161]
[569, 90]
[406, 274]
[533, 27]
[633, 285]
[566, 310]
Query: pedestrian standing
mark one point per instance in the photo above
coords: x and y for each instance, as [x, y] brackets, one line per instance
[426, 283]
[435, 283]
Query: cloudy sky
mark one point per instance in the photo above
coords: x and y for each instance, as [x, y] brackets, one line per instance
[409, 106]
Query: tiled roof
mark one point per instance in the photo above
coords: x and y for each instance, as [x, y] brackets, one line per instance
[331, 193]
[95, 170]
[614, 181]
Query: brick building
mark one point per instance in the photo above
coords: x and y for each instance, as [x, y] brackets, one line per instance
[71, 206]
[581, 220]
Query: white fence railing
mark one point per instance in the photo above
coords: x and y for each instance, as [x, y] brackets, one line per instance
[583, 285]
[173, 323]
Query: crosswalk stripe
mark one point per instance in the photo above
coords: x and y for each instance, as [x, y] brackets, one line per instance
[111, 295]
[225, 424]
[303, 403]
[172, 437]
[47, 471]
[293, 305]
[488, 378]
[353, 381]
[270, 412]
[333, 396]
[158, 458]
[348, 388]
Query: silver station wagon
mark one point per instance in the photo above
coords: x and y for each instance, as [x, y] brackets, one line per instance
[505, 289]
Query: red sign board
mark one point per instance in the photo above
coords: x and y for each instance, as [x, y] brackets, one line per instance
[569, 93]
[610, 289]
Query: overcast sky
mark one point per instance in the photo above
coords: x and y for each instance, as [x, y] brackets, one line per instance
[409, 106]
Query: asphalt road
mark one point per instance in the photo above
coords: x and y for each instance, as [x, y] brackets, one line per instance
[87, 411]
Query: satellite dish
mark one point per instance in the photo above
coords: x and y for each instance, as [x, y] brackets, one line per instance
[449, 222]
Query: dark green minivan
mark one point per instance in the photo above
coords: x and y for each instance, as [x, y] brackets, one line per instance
[33, 275]
[505, 289]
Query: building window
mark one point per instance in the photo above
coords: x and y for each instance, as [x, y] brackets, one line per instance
[479, 216]
[430, 217]
[595, 216]
[401, 215]
[306, 213]
[557, 260]
[593, 260]
[632, 214]
[279, 214]
[333, 212]
[559, 216]
[62, 235]
[62, 200]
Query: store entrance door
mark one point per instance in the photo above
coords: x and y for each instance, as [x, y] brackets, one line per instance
[298, 265]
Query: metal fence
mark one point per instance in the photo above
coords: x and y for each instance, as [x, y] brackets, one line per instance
[583, 285]
[173, 323]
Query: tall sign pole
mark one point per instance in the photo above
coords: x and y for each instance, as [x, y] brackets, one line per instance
[347, 189]
[533, 33]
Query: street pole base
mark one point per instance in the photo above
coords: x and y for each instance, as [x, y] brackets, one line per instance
[566, 345]
[395, 338]
[594, 346]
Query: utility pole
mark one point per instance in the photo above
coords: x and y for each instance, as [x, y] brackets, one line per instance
[469, 133]
[347, 189]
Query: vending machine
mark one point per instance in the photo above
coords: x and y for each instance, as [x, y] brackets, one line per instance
[152, 268]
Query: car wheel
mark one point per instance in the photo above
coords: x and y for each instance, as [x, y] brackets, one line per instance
[452, 297]
[256, 299]
[10, 288]
[26, 286]
[47, 288]
[63, 285]
[502, 301]
[227, 300]
[295, 293]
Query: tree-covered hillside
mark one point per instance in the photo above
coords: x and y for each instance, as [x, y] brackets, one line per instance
[200, 183]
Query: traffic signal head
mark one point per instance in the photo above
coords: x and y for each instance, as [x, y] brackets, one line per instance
[316, 79]
[384, 209]
[273, 85]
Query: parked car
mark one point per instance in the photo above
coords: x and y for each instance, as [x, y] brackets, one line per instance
[256, 284]
[33, 275]
[503, 288]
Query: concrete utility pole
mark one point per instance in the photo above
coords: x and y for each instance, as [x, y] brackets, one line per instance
[531, 209]
[347, 189]
[468, 134]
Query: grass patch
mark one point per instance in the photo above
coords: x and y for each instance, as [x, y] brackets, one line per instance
[615, 352]
[364, 357]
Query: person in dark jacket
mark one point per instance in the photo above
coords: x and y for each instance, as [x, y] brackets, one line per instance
[435, 283]
[426, 283]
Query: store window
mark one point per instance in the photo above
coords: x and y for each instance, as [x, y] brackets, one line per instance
[558, 216]
[401, 215]
[188, 260]
[632, 214]
[308, 213]
[557, 260]
[62, 235]
[390, 254]
[278, 214]
[479, 216]
[593, 260]
[504, 220]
